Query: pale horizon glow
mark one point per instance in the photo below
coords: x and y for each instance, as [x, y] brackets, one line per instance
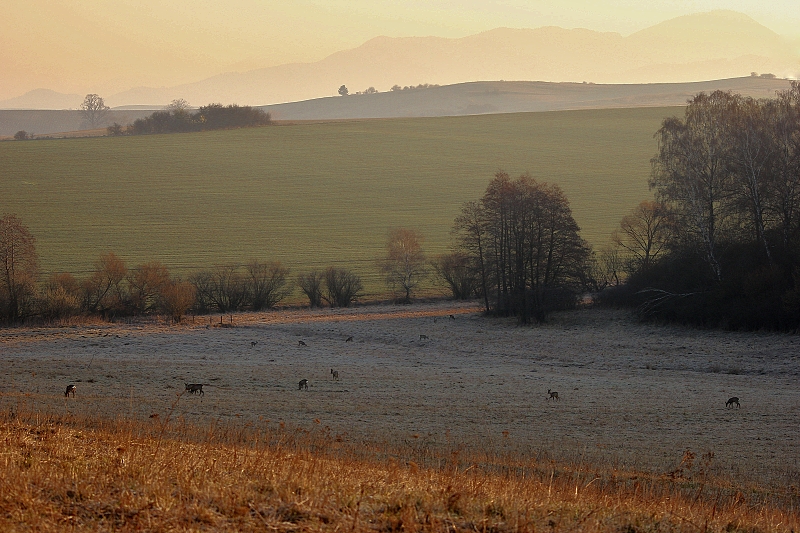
[81, 46]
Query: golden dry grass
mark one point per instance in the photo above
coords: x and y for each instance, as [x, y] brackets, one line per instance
[74, 474]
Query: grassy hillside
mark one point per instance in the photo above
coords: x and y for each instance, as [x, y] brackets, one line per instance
[311, 195]
[65, 474]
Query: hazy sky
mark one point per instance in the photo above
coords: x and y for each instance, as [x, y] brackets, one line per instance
[111, 45]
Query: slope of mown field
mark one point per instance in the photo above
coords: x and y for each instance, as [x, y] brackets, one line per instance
[311, 195]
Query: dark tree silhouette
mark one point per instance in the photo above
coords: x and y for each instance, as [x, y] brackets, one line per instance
[94, 110]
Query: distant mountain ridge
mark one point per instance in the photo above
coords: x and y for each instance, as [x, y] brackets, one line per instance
[704, 46]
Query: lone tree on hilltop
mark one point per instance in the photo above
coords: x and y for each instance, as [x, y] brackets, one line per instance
[343, 91]
[94, 110]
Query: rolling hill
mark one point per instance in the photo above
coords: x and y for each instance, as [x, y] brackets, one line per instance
[312, 195]
[473, 98]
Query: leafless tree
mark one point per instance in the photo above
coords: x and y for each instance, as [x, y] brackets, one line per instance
[644, 234]
[471, 230]
[179, 105]
[145, 286]
[342, 287]
[224, 288]
[94, 110]
[18, 269]
[691, 173]
[311, 285]
[458, 272]
[528, 243]
[103, 291]
[267, 284]
[404, 265]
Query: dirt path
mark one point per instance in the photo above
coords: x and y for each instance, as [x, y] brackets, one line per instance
[629, 394]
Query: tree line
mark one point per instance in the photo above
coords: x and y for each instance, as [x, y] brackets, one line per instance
[719, 245]
[112, 289]
[178, 118]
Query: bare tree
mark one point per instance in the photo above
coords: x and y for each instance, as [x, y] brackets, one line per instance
[146, 283]
[103, 291]
[311, 285]
[458, 272]
[224, 288]
[268, 284]
[94, 110]
[644, 234]
[18, 269]
[691, 172]
[342, 287]
[404, 265]
[524, 235]
[179, 105]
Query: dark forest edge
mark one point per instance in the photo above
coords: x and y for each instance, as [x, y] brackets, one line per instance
[720, 245]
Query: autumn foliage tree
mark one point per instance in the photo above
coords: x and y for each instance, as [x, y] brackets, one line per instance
[404, 265]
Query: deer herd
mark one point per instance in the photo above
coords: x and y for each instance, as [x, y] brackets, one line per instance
[197, 388]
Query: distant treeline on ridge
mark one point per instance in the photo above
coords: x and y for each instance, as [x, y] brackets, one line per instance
[177, 118]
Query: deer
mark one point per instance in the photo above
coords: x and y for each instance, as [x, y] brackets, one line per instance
[303, 384]
[195, 388]
[553, 395]
[301, 343]
[253, 343]
[349, 339]
[732, 401]
[452, 317]
[70, 390]
[335, 374]
[423, 337]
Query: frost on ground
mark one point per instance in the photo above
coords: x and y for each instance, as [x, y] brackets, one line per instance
[630, 395]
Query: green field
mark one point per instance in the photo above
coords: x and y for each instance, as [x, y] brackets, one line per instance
[311, 195]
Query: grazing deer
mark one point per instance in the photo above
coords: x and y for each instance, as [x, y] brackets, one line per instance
[423, 337]
[732, 401]
[335, 374]
[452, 317]
[553, 395]
[195, 388]
[303, 384]
[301, 343]
[253, 343]
[349, 339]
[70, 390]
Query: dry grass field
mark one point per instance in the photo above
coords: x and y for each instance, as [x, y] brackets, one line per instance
[312, 195]
[630, 395]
